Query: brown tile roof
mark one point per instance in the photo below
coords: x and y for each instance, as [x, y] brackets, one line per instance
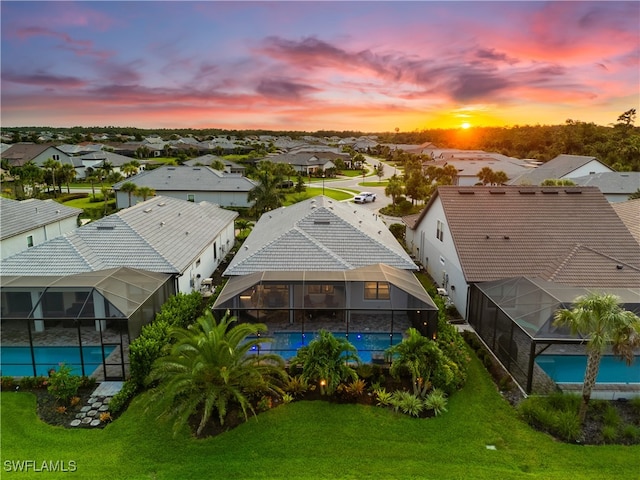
[629, 213]
[568, 234]
[20, 153]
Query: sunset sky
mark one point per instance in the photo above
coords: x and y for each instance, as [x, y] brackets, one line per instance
[367, 66]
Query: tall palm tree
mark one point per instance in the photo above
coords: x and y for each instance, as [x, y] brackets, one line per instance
[93, 178]
[68, 175]
[394, 188]
[326, 361]
[52, 166]
[601, 320]
[417, 355]
[210, 368]
[129, 170]
[130, 188]
[266, 194]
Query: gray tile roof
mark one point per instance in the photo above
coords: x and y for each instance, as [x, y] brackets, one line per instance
[629, 213]
[190, 179]
[18, 217]
[610, 183]
[163, 235]
[318, 234]
[568, 233]
[115, 159]
[558, 167]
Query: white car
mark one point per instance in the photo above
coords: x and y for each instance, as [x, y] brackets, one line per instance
[365, 197]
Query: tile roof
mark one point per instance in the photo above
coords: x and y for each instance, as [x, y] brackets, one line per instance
[629, 213]
[318, 234]
[18, 217]
[162, 235]
[558, 167]
[609, 183]
[568, 233]
[21, 153]
[191, 179]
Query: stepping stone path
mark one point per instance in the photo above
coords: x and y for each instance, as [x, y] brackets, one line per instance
[89, 415]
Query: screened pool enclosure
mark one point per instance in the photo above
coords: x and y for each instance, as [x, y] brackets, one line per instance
[376, 303]
[514, 318]
[85, 320]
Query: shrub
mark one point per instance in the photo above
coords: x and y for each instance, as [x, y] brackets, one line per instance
[567, 425]
[145, 349]
[407, 403]
[383, 397]
[534, 411]
[631, 432]
[296, 385]
[609, 434]
[61, 409]
[365, 371]
[181, 310]
[611, 417]
[355, 389]
[563, 401]
[105, 417]
[287, 398]
[62, 384]
[74, 401]
[27, 383]
[6, 383]
[437, 401]
[122, 398]
[264, 404]
[87, 382]
[635, 405]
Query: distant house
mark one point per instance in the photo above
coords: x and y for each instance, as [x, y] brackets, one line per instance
[209, 159]
[20, 153]
[164, 235]
[616, 186]
[326, 264]
[562, 167]
[194, 184]
[26, 223]
[470, 165]
[308, 162]
[570, 235]
[97, 159]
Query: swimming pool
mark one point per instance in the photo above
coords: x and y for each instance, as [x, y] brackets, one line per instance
[16, 361]
[571, 369]
[286, 344]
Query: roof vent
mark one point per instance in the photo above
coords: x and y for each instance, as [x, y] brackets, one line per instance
[161, 204]
[527, 192]
[106, 227]
[553, 192]
[506, 237]
[321, 222]
[162, 224]
[497, 192]
[619, 267]
[573, 190]
[171, 168]
[466, 192]
[147, 210]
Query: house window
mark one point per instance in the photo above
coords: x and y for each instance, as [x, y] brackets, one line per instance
[191, 197]
[440, 231]
[30, 241]
[376, 290]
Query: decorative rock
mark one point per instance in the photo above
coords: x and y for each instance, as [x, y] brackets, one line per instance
[103, 408]
[92, 413]
[92, 399]
[96, 405]
[81, 415]
[95, 423]
[106, 400]
[86, 420]
[75, 423]
[86, 408]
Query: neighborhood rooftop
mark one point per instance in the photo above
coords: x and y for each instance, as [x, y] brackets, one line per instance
[21, 216]
[160, 235]
[318, 234]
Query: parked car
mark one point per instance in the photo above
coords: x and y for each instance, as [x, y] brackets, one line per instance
[365, 197]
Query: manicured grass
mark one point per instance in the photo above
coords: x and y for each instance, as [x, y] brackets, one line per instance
[383, 183]
[84, 202]
[319, 440]
[310, 192]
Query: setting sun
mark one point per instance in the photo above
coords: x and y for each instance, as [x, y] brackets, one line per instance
[465, 125]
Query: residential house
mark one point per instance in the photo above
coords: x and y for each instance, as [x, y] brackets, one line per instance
[26, 223]
[562, 167]
[208, 160]
[469, 166]
[509, 257]
[326, 264]
[616, 186]
[195, 184]
[305, 163]
[20, 153]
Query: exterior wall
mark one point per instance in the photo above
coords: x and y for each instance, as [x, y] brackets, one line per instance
[592, 167]
[439, 258]
[54, 153]
[11, 246]
[224, 199]
[205, 264]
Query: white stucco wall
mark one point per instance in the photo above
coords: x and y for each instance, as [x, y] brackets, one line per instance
[439, 258]
[224, 199]
[16, 244]
[592, 167]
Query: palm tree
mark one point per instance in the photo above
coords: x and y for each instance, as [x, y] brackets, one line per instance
[146, 192]
[52, 166]
[326, 361]
[485, 175]
[210, 368]
[417, 355]
[603, 322]
[266, 194]
[129, 169]
[394, 188]
[93, 178]
[129, 188]
[68, 174]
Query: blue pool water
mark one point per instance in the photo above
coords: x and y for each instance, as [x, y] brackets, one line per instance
[286, 344]
[571, 369]
[16, 361]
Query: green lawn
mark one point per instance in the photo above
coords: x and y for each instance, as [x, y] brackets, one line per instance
[310, 192]
[318, 440]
